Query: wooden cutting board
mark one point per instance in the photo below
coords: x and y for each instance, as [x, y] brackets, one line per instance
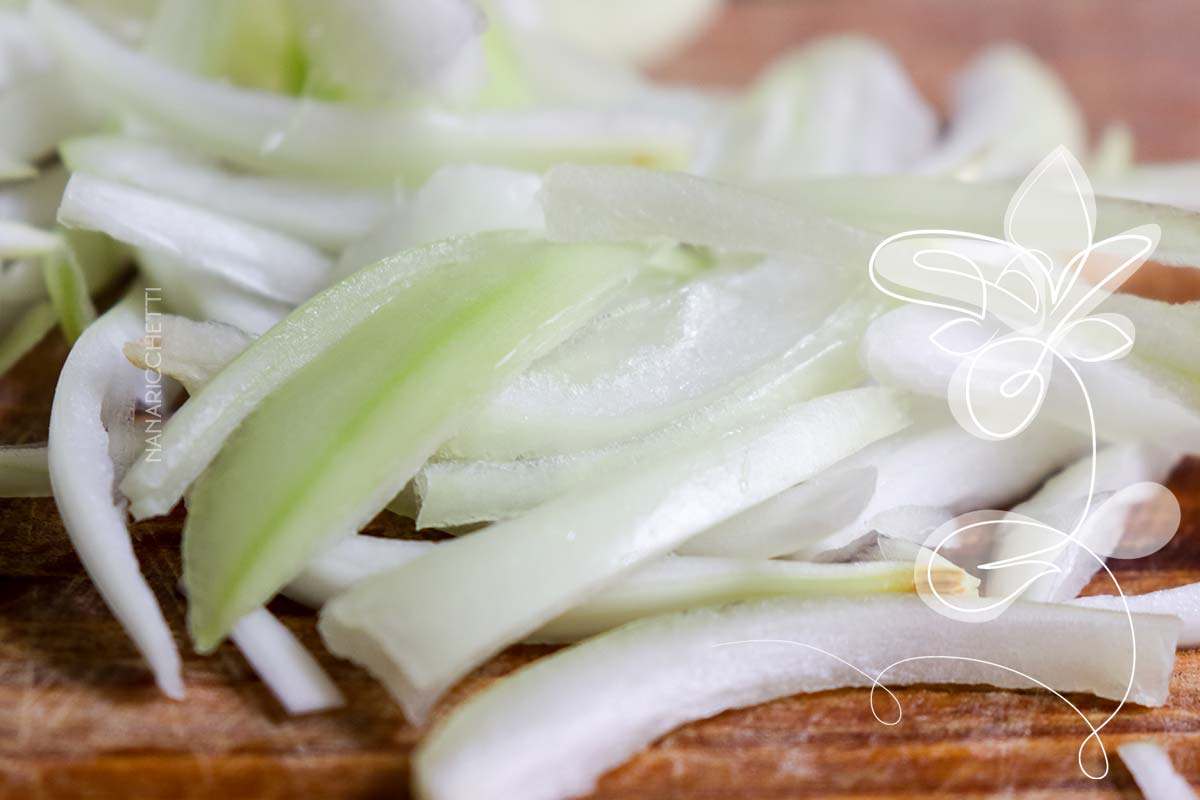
[79, 716]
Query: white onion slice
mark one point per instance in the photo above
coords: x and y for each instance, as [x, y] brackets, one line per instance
[933, 464]
[1151, 768]
[456, 200]
[288, 670]
[531, 569]
[24, 472]
[252, 258]
[97, 390]
[1061, 501]
[668, 584]
[190, 352]
[632, 204]
[1182, 602]
[461, 492]
[843, 105]
[328, 216]
[551, 729]
[308, 137]
[1002, 84]
[1140, 397]
[18, 240]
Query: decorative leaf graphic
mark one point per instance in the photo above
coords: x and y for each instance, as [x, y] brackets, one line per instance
[1100, 337]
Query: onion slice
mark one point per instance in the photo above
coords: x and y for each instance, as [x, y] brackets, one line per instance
[1182, 602]
[1151, 768]
[188, 351]
[328, 216]
[551, 729]
[935, 464]
[194, 435]
[289, 670]
[529, 570]
[306, 137]
[668, 584]
[460, 492]
[378, 402]
[258, 260]
[97, 390]
[24, 472]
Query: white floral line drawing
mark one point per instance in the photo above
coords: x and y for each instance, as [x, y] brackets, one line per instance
[1023, 303]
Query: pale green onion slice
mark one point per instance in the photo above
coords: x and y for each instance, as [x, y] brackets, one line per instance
[192, 437]
[275, 266]
[377, 403]
[32, 326]
[462, 492]
[1181, 601]
[93, 404]
[328, 216]
[342, 142]
[24, 472]
[68, 290]
[552, 728]
[935, 464]
[529, 570]
[1151, 768]
[669, 584]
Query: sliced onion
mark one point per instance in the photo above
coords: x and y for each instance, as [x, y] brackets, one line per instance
[290, 671]
[342, 142]
[631, 204]
[1151, 768]
[194, 435]
[1182, 602]
[193, 292]
[552, 728]
[655, 357]
[461, 492]
[1138, 397]
[531, 569]
[843, 105]
[252, 258]
[669, 584]
[30, 328]
[1062, 501]
[328, 216]
[1003, 84]
[24, 472]
[18, 240]
[455, 201]
[190, 352]
[933, 464]
[96, 391]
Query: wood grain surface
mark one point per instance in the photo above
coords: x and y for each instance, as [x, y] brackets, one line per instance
[79, 716]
